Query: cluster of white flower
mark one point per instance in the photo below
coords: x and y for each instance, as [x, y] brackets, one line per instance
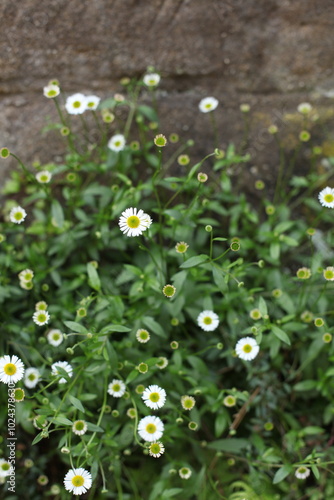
[25, 278]
[41, 316]
[78, 103]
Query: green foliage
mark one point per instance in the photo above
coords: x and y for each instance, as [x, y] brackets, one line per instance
[101, 287]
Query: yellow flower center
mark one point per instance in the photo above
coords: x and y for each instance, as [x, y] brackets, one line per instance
[10, 369]
[79, 426]
[116, 387]
[155, 448]
[207, 320]
[151, 428]
[18, 216]
[77, 481]
[52, 93]
[76, 104]
[154, 397]
[329, 197]
[247, 348]
[133, 221]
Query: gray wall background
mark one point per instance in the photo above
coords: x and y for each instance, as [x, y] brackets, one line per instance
[271, 54]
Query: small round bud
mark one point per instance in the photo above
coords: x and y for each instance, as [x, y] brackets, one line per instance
[244, 108]
[259, 185]
[65, 131]
[202, 177]
[220, 346]
[183, 160]
[69, 350]
[208, 228]
[4, 153]
[115, 413]
[174, 344]
[174, 138]
[261, 263]
[304, 136]
[272, 129]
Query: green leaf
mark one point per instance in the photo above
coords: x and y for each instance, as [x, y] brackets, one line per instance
[315, 471]
[219, 278]
[132, 375]
[62, 420]
[172, 492]
[221, 423]
[94, 428]
[75, 327]
[232, 445]
[282, 473]
[283, 226]
[274, 250]
[37, 438]
[57, 213]
[93, 277]
[263, 307]
[154, 327]
[194, 261]
[76, 403]
[305, 385]
[114, 328]
[148, 112]
[280, 334]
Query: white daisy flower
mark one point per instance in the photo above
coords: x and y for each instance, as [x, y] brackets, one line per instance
[11, 369]
[31, 377]
[92, 102]
[116, 388]
[51, 91]
[247, 348]
[150, 428]
[142, 336]
[79, 427]
[55, 337]
[154, 397]
[6, 468]
[208, 320]
[326, 197]
[117, 142]
[78, 481]
[41, 317]
[43, 177]
[26, 275]
[65, 366]
[302, 472]
[304, 108]
[76, 104]
[151, 79]
[17, 215]
[133, 223]
[185, 472]
[156, 449]
[208, 104]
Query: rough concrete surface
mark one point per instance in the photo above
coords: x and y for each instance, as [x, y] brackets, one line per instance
[272, 54]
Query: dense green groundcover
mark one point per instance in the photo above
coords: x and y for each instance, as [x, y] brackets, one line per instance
[76, 289]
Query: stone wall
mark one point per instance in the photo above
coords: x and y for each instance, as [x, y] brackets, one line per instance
[271, 54]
